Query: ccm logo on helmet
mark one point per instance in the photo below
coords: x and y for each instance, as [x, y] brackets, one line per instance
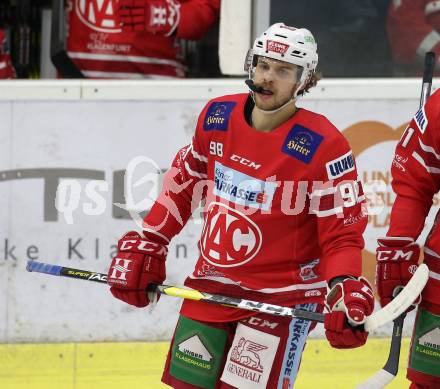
[276, 47]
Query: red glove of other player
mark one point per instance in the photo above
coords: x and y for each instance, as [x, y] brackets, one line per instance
[397, 260]
[349, 303]
[139, 262]
[159, 17]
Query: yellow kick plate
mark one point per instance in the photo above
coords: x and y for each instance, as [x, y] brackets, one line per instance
[139, 365]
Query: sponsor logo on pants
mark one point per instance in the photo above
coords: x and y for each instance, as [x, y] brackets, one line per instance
[250, 358]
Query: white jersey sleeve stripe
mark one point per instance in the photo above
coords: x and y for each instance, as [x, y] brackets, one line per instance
[196, 155]
[429, 169]
[327, 212]
[194, 173]
[429, 149]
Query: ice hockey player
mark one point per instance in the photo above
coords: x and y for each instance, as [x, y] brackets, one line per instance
[416, 178]
[145, 46]
[284, 217]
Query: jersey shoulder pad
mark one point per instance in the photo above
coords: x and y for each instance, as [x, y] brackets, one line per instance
[217, 112]
[319, 123]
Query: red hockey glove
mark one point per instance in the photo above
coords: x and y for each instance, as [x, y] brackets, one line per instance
[159, 17]
[139, 262]
[349, 303]
[397, 260]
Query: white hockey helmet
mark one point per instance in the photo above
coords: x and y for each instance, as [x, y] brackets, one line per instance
[289, 44]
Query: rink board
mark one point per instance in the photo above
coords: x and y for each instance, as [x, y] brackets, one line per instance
[139, 365]
[90, 132]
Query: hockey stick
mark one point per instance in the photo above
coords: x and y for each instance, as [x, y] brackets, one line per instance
[385, 375]
[399, 305]
[58, 53]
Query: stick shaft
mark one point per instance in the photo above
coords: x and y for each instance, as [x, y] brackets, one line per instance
[234, 302]
[175, 291]
[428, 72]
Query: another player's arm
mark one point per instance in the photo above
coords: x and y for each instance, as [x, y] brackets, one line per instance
[416, 178]
[196, 17]
[416, 171]
[411, 30]
[186, 20]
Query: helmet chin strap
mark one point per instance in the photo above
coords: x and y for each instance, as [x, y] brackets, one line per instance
[270, 112]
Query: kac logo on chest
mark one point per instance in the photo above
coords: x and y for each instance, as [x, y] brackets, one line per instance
[229, 238]
[302, 143]
[99, 15]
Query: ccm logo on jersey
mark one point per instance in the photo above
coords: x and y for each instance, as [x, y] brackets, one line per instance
[244, 161]
[421, 119]
[302, 143]
[339, 166]
[217, 116]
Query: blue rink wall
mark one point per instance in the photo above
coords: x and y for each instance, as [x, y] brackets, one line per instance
[64, 148]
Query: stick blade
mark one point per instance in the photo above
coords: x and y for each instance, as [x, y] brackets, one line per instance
[378, 381]
[401, 302]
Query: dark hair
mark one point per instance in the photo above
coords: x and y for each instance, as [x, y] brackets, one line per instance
[310, 84]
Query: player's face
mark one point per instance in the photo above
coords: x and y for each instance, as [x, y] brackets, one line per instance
[278, 79]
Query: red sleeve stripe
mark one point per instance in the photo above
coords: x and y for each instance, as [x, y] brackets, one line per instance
[193, 172]
[429, 169]
[428, 149]
[151, 231]
[196, 155]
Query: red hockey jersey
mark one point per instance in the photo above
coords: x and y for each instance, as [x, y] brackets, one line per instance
[284, 210]
[101, 49]
[413, 29]
[416, 178]
[6, 69]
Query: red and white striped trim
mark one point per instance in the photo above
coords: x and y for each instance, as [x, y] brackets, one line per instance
[432, 7]
[432, 274]
[429, 169]
[194, 173]
[196, 155]
[151, 231]
[124, 58]
[432, 253]
[109, 74]
[428, 43]
[429, 149]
